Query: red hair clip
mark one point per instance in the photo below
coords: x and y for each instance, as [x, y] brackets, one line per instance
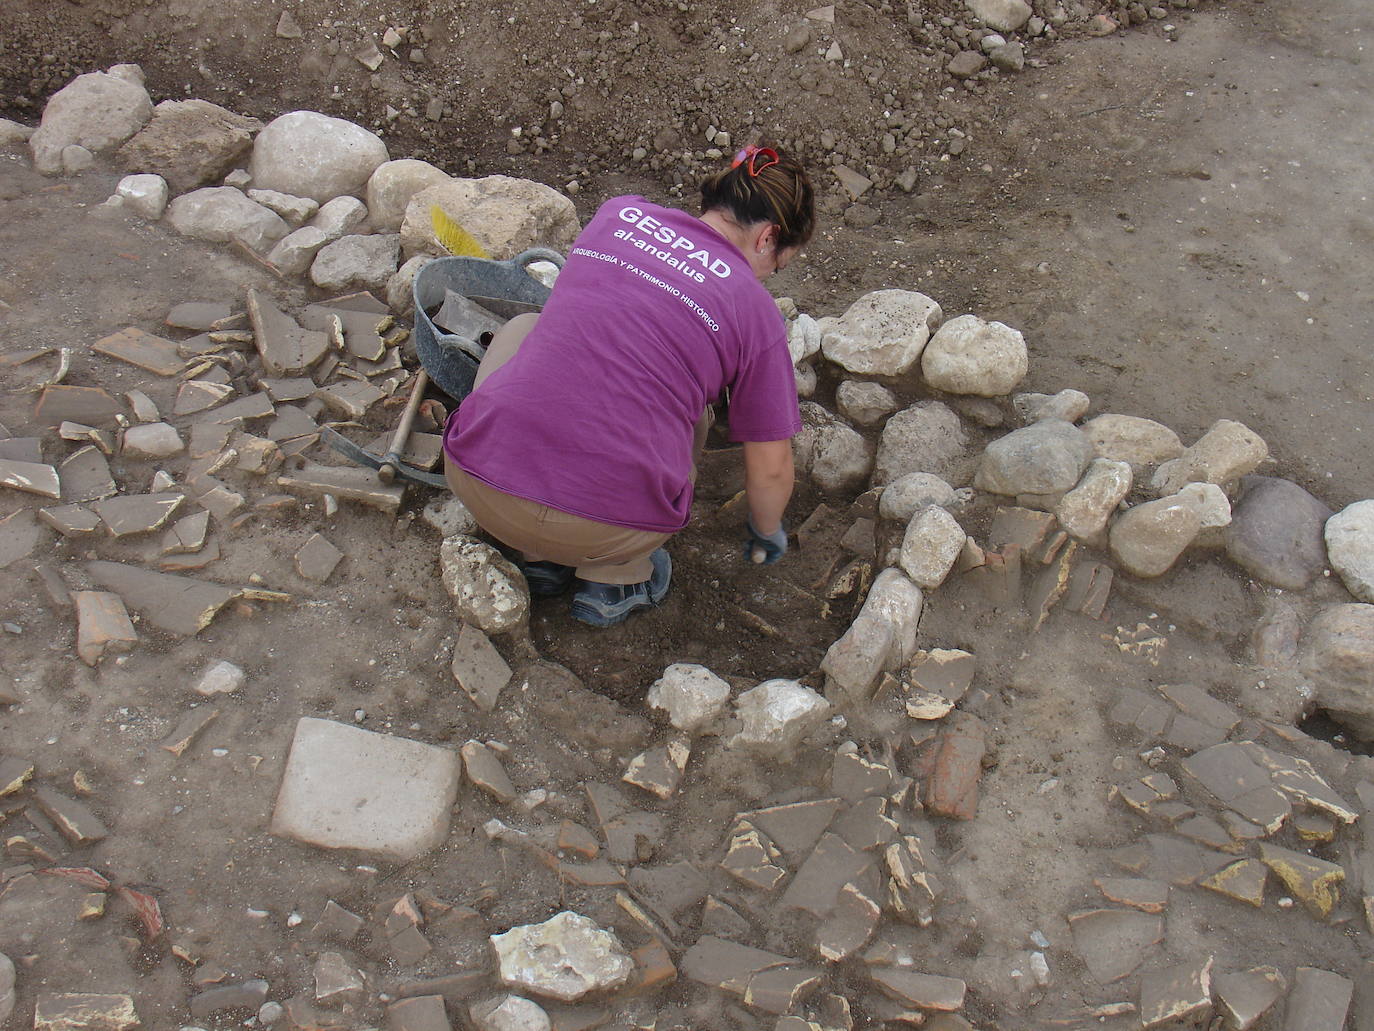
[752, 154]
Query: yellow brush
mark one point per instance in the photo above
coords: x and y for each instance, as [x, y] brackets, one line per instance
[453, 237]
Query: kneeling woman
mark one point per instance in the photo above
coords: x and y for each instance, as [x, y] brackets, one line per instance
[578, 443]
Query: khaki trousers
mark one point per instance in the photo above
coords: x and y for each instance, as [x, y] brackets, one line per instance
[599, 552]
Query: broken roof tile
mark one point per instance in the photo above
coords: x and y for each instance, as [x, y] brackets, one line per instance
[90, 405]
[129, 514]
[143, 350]
[178, 604]
[31, 478]
[102, 626]
[285, 347]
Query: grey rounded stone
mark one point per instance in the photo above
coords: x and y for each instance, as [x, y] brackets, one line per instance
[1083, 512]
[487, 590]
[864, 403]
[1225, 453]
[338, 217]
[295, 253]
[834, 454]
[905, 496]
[1046, 458]
[400, 288]
[294, 210]
[1069, 405]
[220, 214]
[1350, 546]
[1001, 15]
[931, 546]
[1148, 539]
[1338, 654]
[152, 440]
[1143, 443]
[925, 438]
[146, 195]
[803, 338]
[1276, 533]
[307, 154]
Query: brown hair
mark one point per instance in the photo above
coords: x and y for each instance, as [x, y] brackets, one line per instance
[765, 185]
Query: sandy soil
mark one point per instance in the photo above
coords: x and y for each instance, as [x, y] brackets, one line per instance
[1175, 219]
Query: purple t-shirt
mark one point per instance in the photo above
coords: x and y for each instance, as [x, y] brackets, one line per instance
[653, 314]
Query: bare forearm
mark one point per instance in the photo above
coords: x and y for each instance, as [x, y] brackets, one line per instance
[768, 481]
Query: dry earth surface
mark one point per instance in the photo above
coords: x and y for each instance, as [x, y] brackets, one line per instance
[1178, 218]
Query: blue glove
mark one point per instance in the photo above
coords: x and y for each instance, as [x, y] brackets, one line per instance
[764, 548]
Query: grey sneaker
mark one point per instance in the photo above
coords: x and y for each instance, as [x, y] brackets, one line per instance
[603, 605]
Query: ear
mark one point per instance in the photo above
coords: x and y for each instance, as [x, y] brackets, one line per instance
[766, 239]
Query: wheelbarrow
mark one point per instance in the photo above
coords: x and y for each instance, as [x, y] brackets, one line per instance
[449, 360]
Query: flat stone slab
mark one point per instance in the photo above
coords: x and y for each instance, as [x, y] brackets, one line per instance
[1113, 942]
[285, 348]
[178, 604]
[317, 558]
[85, 476]
[344, 787]
[89, 405]
[478, 667]
[344, 482]
[143, 350]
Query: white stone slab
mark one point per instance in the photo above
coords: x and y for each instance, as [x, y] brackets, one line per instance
[350, 788]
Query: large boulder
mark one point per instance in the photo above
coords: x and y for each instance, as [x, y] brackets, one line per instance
[1001, 15]
[1148, 539]
[190, 143]
[505, 215]
[307, 154]
[97, 111]
[969, 356]
[1338, 654]
[1350, 546]
[221, 214]
[391, 186]
[1143, 443]
[1046, 458]
[1276, 533]
[882, 333]
[834, 454]
[356, 263]
[925, 438]
[1225, 453]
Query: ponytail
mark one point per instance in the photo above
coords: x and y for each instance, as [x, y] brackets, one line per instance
[765, 185]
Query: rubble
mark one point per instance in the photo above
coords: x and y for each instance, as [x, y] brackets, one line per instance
[487, 590]
[564, 958]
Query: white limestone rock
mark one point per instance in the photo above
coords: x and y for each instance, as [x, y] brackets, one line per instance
[339, 217]
[295, 210]
[864, 403]
[804, 376]
[391, 186]
[1069, 405]
[307, 154]
[882, 333]
[145, 195]
[905, 496]
[564, 958]
[356, 263]
[776, 715]
[1143, 443]
[1001, 15]
[925, 438]
[449, 516]
[152, 440]
[882, 636]
[295, 252]
[1084, 511]
[970, 356]
[1224, 454]
[12, 132]
[1350, 547]
[221, 214]
[222, 678]
[345, 787]
[400, 288]
[97, 111]
[487, 590]
[803, 338]
[1338, 654]
[930, 547]
[834, 454]
[691, 695]
[1147, 540]
[509, 1013]
[504, 214]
